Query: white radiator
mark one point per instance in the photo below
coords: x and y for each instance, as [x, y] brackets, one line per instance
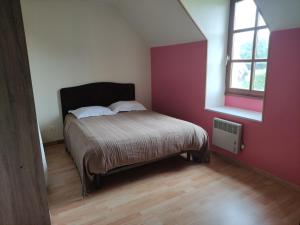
[227, 135]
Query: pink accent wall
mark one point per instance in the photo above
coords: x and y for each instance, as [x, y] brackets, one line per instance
[177, 79]
[248, 103]
[178, 89]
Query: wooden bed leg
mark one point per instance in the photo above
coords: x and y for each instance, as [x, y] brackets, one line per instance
[188, 156]
[97, 180]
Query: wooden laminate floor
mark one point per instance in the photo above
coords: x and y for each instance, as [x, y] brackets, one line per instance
[172, 191]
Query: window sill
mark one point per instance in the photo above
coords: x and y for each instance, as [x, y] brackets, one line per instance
[241, 113]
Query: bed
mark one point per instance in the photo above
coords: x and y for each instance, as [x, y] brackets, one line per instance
[104, 145]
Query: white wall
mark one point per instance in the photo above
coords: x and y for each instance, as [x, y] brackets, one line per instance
[76, 42]
[212, 18]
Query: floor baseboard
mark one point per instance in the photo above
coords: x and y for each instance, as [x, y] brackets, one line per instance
[258, 171]
[51, 143]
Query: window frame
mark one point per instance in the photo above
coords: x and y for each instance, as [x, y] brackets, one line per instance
[229, 61]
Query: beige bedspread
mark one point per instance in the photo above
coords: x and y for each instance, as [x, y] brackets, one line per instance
[101, 144]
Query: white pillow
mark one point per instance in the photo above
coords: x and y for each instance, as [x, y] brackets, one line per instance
[126, 106]
[91, 111]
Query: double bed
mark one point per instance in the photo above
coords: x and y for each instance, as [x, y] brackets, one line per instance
[103, 145]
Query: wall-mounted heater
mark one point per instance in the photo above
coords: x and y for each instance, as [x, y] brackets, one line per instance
[227, 135]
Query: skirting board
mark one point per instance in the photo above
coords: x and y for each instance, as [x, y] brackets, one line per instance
[47, 144]
[258, 171]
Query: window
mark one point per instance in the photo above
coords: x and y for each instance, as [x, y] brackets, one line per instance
[248, 44]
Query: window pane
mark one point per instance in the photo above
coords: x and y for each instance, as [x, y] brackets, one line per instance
[242, 45]
[244, 15]
[262, 44]
[259, 76]
[261, 21]
[240, 75]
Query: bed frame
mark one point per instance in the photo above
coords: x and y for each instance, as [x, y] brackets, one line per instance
[104, 94]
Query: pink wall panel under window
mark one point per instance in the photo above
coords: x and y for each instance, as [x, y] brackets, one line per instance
[247, 103]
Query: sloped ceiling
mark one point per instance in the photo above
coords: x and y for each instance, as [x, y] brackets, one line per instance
[280, 14]
[159, 22]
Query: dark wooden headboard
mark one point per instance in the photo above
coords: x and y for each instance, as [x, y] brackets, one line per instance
[95, 94]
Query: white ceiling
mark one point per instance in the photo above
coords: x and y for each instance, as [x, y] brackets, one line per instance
[159, 22]
[165, 22]
[280, 14]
